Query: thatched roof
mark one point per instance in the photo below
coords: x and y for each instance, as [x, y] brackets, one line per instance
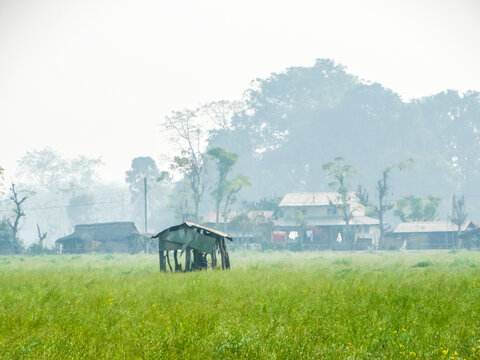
[103, 232]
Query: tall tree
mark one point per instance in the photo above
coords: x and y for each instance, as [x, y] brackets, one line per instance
[145, 182]
[143, 167]
[190, 138]
[220, 113]
[231, 189]
[459, 216]
[18, 214]
[382, 188]
[225, 162]
[341, 173]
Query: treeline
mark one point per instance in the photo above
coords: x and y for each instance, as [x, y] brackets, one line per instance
[275, 140]
[294, 122]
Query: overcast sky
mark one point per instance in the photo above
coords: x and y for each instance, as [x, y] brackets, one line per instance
[96, 77]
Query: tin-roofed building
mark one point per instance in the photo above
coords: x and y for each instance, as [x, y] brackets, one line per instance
[427, 234]
[324, 221]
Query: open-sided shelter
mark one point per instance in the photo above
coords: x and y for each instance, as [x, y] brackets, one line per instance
[196, 242]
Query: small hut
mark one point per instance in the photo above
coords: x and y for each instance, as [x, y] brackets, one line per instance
[196, 242]
[104, 237]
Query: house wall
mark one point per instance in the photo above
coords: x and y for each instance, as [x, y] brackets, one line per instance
[289, 212]
[432, 240]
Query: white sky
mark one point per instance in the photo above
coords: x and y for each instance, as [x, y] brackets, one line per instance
[96, 77]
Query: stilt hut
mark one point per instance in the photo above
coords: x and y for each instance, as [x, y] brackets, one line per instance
[196, 242]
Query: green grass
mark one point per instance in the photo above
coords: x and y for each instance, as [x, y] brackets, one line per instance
[277, 305]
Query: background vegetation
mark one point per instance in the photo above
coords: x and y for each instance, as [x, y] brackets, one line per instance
[278, 136]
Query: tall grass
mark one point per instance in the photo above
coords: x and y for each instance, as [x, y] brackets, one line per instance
[278, 305]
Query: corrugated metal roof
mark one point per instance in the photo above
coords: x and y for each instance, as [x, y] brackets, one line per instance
[311, 199]
[207, 231]
[428, 226]
[316, 199]
[330, 221]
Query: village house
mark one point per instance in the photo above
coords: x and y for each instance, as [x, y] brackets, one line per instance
[106, 237]
[317, 218]
[426, 235]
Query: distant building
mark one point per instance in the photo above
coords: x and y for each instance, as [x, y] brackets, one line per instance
[105, 237]
[426, 235]
[323, 220]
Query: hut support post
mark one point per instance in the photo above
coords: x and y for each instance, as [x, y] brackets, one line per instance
[214, 257]
[195, 260]
[178, 267]
[227, 258]
[222, 252]
[168, 262]
[161, 256]
[187, 260]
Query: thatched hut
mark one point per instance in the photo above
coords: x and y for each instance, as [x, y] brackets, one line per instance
[120, 237]
[196, 242]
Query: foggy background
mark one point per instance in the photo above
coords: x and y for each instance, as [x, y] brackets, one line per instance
[97, 79]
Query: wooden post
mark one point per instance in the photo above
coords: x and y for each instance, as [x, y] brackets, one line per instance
[163, 265]
[222, 253]
[214, 257]
[168, 262]
[195, 259]
[178, 267]
[187, 260]
[227, 258]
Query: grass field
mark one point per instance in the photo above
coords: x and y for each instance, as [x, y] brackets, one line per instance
[278, 305]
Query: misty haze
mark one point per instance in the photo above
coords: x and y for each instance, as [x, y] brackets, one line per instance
[325, 155]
